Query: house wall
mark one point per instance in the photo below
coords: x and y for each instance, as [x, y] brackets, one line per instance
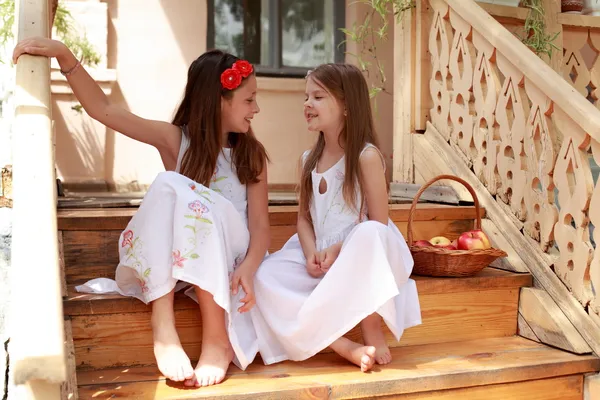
[149, 46]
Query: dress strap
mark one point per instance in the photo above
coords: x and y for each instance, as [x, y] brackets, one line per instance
[370, 145]
[185, 143]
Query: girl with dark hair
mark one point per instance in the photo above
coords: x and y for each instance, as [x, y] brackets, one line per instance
[204, 223]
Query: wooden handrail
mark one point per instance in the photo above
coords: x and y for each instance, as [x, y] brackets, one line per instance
[37, 331]
[535, 69]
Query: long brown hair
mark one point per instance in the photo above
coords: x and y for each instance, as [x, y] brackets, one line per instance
[200, 114]
[347, 84]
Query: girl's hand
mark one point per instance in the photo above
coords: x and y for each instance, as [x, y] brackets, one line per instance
[244, 276]
[39, 46]
[313, 266]
[328, 256]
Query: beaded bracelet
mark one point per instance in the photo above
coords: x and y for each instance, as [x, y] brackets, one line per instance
[72, 70]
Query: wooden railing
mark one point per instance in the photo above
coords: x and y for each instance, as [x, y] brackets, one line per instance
[37, 331]
[581, 65]
[526, 133]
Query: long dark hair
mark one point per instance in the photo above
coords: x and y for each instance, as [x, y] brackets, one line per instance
[200, 113]
[347, 84]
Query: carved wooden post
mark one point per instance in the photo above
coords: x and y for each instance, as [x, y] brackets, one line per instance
[404, 78]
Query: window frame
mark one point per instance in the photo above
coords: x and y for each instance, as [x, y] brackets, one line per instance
[277, 69]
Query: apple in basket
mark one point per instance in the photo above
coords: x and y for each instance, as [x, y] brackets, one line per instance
[473, 240]
[440, 241]
[422, 243]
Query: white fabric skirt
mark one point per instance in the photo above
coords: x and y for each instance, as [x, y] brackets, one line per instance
[297, 315]
[182, 234]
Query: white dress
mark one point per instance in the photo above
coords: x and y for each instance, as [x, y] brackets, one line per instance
[185, 233]
[297, 316]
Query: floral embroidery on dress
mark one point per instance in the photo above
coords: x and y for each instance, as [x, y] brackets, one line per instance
[143, 286]
[216, 179]
[178, 259]
[204, 193]
[133, 253]
[127, 238]
[199, 211]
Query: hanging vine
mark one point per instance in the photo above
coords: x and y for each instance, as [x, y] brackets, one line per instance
[535, 36]
[64, 24]
[373, 29]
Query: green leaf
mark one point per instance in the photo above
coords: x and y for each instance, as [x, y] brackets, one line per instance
[194, 256]
[208, 221]
[193, 228]
[206, 196]
[147, 272]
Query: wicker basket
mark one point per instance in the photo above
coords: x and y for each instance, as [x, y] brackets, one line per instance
[434, 261]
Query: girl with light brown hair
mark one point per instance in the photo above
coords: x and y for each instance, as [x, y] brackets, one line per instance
[348, 264]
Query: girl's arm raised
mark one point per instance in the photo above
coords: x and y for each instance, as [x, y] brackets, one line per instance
[374, 186]
[162, 135]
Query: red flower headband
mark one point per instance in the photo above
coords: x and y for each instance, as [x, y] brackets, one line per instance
[231, 78]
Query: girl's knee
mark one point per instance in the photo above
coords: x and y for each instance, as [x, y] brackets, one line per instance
[372, 227]
[165, 179]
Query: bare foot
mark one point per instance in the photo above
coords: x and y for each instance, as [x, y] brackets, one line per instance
[171, 359]
[213, 364]
[373, 336]
[363, 356]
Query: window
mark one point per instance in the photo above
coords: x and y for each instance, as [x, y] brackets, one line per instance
[281, 37]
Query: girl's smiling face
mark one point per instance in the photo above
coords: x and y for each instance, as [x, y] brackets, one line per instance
[323, 112]
[238, 110]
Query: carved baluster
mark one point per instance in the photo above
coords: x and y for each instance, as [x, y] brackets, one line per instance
[486, 85]
[441, 83]
[511, 114]
[575, 71]
[573, 178]
[462, 58]
[540, 157]
[594, 41]
[594, 214]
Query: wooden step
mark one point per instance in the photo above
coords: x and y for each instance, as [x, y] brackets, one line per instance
[111, 330]
[117, 218]
[90, 237]
[495, 368]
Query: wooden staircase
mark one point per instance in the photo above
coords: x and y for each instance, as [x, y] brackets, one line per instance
[467, 346]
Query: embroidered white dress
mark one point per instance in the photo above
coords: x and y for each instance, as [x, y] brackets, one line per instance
[297, 315]
[185, 233]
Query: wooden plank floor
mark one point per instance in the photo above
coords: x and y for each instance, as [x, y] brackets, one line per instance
[414, 369]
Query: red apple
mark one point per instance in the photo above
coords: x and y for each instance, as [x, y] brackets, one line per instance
[451, 247]
[484, 238]
[454, 243]
[469, 241]
[422, 243]
[440, 241]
